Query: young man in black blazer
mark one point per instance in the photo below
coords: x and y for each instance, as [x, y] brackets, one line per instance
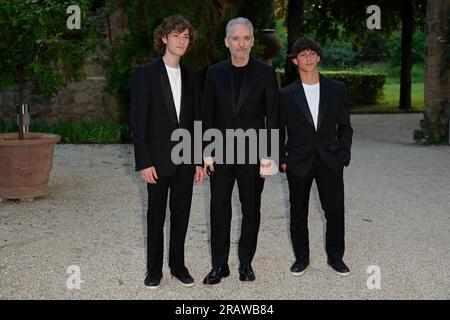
[239, 93]
[164, 97]
[319, 136]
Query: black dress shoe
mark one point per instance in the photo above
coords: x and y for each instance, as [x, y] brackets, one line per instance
[299, 266]
[246, 272]
[339, 266]
[216, 274]
[184, 277]
[152, 282]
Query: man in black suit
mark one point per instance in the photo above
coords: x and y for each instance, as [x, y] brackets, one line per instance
[164, 97]
[239, 93]
[319, 136]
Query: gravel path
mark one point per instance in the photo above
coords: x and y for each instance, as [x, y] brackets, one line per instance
[397, 219]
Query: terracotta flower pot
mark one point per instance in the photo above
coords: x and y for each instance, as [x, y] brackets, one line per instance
[25, 165]
[271, 41]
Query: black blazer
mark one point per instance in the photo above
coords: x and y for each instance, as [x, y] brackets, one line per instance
[333, 139]
[153, 114]
[257, 104]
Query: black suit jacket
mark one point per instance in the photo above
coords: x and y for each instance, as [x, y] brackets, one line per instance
[153, 114]
[333, 139]
[257, 104]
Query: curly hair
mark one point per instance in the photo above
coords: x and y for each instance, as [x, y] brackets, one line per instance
[168, 25]
[302, 44]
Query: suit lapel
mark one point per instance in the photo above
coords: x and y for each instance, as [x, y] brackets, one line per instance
[301, 102]
[322, 100]
[246, 87]
[167, 93]
[226, 78]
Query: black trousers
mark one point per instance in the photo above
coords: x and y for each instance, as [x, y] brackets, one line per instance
[180, 185]
[330, 185]
[250, 186]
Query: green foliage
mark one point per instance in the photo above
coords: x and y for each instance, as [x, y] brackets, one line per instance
[280, 59]
[389, 100]
[93, 131]
[8, 126]
[326, 18]
[393, 45]
[391, 95]
[375, 48]
[260, 12]
[338, 55]
[393, 73]
[342, 52]
[342, 31]
[37, 45]
[362, 88]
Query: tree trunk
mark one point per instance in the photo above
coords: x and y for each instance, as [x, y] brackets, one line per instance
[435, 125]
[406, 64]
[295, 30]
[21, 75]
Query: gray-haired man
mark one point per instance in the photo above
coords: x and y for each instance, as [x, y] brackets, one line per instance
[240, 93]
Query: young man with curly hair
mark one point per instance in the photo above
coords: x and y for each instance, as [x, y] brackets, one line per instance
[164, 97]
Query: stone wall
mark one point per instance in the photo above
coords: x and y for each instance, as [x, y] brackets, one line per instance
[78, 100]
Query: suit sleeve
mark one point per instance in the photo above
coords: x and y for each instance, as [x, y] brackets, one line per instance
[197, 111]
[283, 156]
[272, 109]
[140, 99]
[344, 128]
[208, 105]
[197, 103]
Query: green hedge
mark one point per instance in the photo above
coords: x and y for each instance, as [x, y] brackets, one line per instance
[362, 88]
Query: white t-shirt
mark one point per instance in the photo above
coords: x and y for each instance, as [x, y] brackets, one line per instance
[175, 84]
[312, 93]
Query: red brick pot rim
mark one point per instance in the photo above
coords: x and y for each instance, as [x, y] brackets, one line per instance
[31, 138]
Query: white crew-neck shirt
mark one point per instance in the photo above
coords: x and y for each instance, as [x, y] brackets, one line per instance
[312, 93]
[175, 84]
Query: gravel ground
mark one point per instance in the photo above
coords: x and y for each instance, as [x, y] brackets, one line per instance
[397, 219]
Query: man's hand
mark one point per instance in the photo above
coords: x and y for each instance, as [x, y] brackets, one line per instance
[267, 168]
[264, 166]
[198, 179]
[283, 167]
[149, 175]
[208, 166]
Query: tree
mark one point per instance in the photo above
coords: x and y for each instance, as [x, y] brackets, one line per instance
[406, 65]
[296, 28]
[260, 13]
[435, 125]
[37, 46]
[324, 17]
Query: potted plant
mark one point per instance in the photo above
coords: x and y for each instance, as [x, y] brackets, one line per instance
[37, 48]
